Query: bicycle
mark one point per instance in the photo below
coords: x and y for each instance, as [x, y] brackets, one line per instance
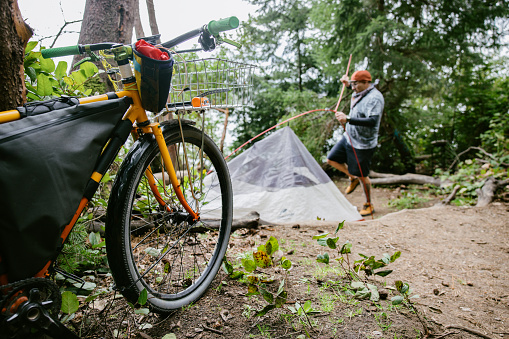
[157, 234]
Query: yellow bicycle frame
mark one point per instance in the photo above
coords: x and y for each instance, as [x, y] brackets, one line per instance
[137, 115]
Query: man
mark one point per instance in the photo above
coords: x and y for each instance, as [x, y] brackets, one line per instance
[361, 135]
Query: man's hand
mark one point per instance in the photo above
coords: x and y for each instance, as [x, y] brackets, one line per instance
[344, 79]
[341, 117]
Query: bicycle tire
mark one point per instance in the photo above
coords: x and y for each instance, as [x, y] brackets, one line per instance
[174, 259]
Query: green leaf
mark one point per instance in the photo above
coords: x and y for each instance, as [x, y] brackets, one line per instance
[248, 264]
[331, 242]
[357, 285]
[94, 238]
[262, 259]
[383, 273]
[252, 289]
[346, 248]
[236, 275]
[340, 226]
[281, 299]
[89, 68]
[30, 71]
[47, 65]
[267, 295]
[169, 336]
[395, 256]
[324, 258]
[142, 299]
[30, 46]
[375, 296]
[274, 245]
[44, 87]
[143, 311]
[265, 310]
[70, 303]
[61, 70]
[404, 289]
[227, 267]
[307, 306]
[398, 284]
[286, 264]
[320, 236]
[396, 300]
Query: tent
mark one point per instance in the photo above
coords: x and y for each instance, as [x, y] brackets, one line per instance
[278, 178]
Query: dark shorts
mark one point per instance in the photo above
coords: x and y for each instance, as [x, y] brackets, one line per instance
[343, 153]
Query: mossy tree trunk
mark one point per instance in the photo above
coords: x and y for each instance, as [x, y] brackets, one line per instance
[13, 40]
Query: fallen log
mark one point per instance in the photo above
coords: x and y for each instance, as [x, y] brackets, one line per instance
[251, 220]
[488, 191]
[405, 179]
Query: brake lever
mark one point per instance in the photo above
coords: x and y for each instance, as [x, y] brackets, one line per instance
[220, 40]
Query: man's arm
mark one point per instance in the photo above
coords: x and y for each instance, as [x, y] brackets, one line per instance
[370, 121]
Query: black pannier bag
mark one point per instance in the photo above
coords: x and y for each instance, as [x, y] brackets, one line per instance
[46, 160]
[153, 78]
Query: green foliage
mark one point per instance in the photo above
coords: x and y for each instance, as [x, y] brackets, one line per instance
[44, 80]
[409, 199]
[266, 256]
[367, 264]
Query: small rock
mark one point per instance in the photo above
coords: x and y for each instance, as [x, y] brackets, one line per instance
[436, 291]
[445, 283]
[469, 283]
[376, 334]
[296, 226]
[198, 329]
[466, 309]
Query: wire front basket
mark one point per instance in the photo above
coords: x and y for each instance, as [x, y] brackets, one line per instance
[210, 83]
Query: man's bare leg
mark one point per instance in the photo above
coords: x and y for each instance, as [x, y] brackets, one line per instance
[341, 167]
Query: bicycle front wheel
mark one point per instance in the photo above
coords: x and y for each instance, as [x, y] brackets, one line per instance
[157, 246]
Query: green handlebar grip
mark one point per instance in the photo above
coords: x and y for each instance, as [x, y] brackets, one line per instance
[60, 51]
[214, 27]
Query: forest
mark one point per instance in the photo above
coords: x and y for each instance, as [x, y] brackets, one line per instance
[439, 172]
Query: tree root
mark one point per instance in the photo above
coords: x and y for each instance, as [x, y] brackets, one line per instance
[469, 330]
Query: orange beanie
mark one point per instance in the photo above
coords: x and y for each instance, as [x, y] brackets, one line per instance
[361, 76]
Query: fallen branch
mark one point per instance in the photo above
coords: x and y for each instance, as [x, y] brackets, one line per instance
[451, 196]
[405, 179]
[489, 190]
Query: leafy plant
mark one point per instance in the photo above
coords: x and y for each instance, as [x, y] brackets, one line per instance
[43, 79]
[367, 264]
[265, 257]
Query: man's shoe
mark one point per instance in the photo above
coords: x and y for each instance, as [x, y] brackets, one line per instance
[367, 209]
[353, 185]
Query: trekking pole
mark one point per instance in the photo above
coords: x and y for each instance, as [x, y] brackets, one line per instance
[343, 89]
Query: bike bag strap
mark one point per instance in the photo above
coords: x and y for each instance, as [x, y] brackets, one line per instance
[40, 107]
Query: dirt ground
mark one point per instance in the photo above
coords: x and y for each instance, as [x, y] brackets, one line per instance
[455, 258]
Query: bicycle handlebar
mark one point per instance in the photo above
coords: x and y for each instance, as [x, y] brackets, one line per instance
[73, 50]
[214, 28]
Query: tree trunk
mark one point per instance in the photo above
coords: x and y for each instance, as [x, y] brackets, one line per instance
[107, 21]
[138, 28]
[13, 40]
[154, 29]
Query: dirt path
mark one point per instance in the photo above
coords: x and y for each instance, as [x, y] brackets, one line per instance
[456, 259]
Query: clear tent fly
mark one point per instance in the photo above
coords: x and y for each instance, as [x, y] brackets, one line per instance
[278, 178]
